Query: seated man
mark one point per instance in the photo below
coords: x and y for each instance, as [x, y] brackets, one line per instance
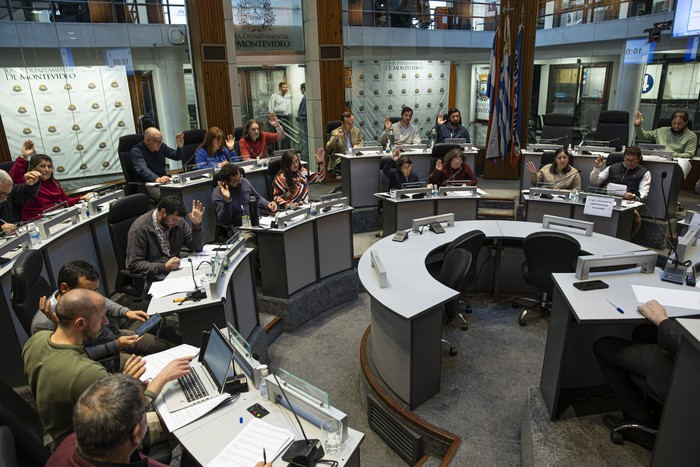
[630, 173]
[117, 336]
[404, 131]
[452, 127]
[343, 138]
[11, 193]
[58, 369]
[157, 237]
[110, 423]
[148, 158]
[231, 197]
[678, 138]
[646, 360]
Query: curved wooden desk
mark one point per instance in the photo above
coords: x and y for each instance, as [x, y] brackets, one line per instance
[406, 316]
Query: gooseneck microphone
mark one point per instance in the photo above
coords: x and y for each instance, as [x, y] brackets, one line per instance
[197, 294]
[304, 452]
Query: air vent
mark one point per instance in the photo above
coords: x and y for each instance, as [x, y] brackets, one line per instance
[213, 53]
[330, 52]
[407, 444]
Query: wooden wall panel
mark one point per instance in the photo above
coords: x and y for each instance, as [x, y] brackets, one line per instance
[330, 32]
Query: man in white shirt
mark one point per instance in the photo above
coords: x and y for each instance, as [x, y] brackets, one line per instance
[281, 104]
[404, 131]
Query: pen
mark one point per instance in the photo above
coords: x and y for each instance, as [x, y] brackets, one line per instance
[620, 310]
[264, 456]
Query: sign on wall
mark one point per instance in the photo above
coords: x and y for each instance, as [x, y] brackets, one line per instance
[261, 26]
[74, 114]
[380, 88]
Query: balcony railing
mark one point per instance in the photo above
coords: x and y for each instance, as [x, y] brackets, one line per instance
[91, 11]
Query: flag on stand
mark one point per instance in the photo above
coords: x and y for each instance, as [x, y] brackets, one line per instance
[492, 148]
[516, 121]
[504, 93]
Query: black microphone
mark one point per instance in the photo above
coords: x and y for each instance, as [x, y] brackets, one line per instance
[304, 452]
[663, 193]
[197, 294]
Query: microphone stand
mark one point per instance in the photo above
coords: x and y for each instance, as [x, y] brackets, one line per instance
[198, 293]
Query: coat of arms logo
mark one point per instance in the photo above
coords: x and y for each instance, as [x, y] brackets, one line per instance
[255, 15]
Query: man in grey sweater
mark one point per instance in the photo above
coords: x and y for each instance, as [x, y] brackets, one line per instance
[157, 237]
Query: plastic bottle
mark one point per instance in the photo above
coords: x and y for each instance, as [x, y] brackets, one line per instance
[263, 383]
[84, 210]
[568, 150]
[390, 139]
[314, 210]
[436, 193]
[573, 196]
[433, 137]
[34, 235]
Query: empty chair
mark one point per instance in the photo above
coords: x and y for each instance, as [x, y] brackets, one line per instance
[613, 128]
[472, 242]
[452, 273]
[122, 214]
[237, 135]
[24, 422]
[558, 129]
[545, 253]
[193, 138]
[28, 286]
[127, 142]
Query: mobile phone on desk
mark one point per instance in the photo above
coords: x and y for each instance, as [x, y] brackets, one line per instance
[590, 285]
[149, 324]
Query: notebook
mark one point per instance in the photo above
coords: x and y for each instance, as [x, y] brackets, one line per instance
[207, 377]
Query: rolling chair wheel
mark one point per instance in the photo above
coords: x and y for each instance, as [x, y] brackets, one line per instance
[616, 437]
[514, 304]
[522, 322]
[465, 326]
[468, 310]
[453, 351]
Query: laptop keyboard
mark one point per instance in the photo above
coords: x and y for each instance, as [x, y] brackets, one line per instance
[192, 387]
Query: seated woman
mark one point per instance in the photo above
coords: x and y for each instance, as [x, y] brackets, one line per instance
[453, 169]
[402, 173]
[50, 191]
[231, 197]
[254, 142]
[212, 153]
[560, 175]
[291, 185]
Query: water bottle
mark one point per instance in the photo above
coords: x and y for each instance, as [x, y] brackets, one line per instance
[573, 196]
[263, 383]
[435, 191]
[84, 210]
[433, 137]
[568, 150]
[314, 210]
[34, 236]
[390, 140]
[253, 210]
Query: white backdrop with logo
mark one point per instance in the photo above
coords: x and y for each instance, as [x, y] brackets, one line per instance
[74, 114]
[381, 88]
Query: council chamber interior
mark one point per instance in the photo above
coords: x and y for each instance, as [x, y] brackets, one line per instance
[81, 78]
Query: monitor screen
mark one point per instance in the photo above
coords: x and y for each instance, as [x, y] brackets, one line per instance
[687, 20]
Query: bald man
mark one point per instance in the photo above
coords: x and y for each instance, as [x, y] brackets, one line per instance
[149, 156]
[59, 370]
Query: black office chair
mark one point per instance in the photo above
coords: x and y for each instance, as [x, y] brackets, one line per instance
[394, 119]
[666, 121]
[613, 128]
[558, 129]
[237, 135]
[454, 267]
[122, 214]
[618, 427]
[273, 169]
[548, 158]
[131, 179]
[545, 253]
[613, 158]
[24, 422]
[439, 151]
[330, 126]
[472, 242]
[28, 286]
[6, 166]
[193, 138]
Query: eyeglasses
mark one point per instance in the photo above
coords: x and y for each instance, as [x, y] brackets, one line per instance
[147, 407]
[630, 161]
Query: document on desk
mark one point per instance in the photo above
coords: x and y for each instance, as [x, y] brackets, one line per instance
[157, 361]
[246, 448]
[266, 221]
[174, 285]
[689, 299]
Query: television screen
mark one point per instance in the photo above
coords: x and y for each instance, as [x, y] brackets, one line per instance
[687, 20]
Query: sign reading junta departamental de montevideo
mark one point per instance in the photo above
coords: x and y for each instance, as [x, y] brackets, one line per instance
[268, 25]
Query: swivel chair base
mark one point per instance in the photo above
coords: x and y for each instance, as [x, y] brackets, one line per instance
[636, 432]
[453, 349]
[542, 303]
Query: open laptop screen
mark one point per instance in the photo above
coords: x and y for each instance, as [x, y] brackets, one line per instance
[217, 357]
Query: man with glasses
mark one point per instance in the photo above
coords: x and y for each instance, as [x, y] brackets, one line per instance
[11, 193]
[110, 423]
[148, 158]
[59, 371]
[630, 173]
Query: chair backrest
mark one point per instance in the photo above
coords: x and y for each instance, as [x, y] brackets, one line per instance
[122, 214]
[28, 286]
[24, 422]
[614, 157]
[559, 128]
[471, 242]
[237, 134]
[6, 166]
[548, 252]
[613, 126]
[330, 126]
[394, 119]
[666, 121]
[193, 138]
[548, 158]
[273, 168]
[438, 152]
[127, 142]
[454, 267]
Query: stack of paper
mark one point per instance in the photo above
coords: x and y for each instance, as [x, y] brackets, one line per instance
[246, 449]
[175, 285]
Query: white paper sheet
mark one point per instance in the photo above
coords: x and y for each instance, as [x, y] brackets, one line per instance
[246, 449]
[616, 189]
[186, 416]
[668, 297]
[174, 285]
[157, 361]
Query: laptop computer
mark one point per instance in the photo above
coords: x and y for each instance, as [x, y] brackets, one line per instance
[206, 378]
